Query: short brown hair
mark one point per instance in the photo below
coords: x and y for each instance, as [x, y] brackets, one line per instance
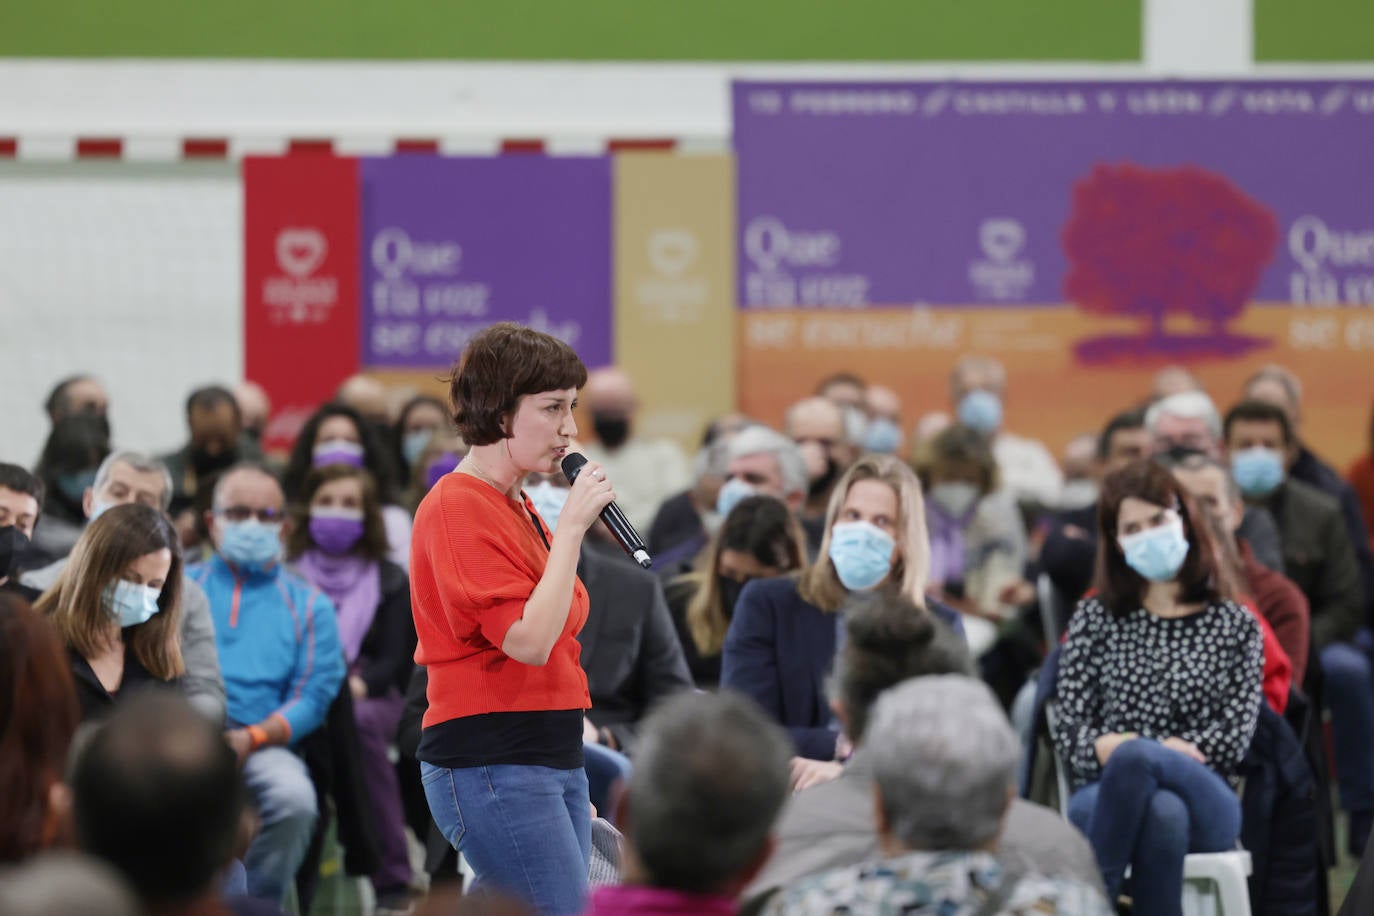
[500, 366]
[373, 544]
[76, 605]
[1122, 588]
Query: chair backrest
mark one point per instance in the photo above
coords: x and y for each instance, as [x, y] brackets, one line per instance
[1054, 610]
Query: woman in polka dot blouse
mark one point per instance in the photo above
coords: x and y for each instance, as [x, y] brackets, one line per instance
[1158, 694]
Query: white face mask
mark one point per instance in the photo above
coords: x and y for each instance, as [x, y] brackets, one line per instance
[955, 498]
[1078, 494]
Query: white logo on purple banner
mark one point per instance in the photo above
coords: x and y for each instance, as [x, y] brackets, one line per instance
[1001, 275]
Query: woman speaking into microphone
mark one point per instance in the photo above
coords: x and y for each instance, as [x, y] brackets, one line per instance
[497, 607]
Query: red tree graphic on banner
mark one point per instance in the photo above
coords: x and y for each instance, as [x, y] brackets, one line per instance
[1151, 243]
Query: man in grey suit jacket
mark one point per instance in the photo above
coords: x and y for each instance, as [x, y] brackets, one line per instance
[831, 824]
[129, 477]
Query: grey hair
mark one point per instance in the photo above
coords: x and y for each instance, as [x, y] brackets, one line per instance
[58, 883]
[944, 759]
[710, 777]
[249, 465]
[763, 440]
[712, 460]
[140, 462]
[1188, 405]
[1292, 385]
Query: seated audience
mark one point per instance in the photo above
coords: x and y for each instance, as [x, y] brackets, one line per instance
[441, 454]
[1158, 692]
[368, 398]
[337, 542]
[1280, 603]
[337, 434]
[1361, 477]
[1320, 559]
[709, 780]
[156, 794]
[38, 717]
[215, 424]
[282, 662]
[1276, 385]
[943, 761]
[831, 824]
[977, 390]
[130, 477]
[646, 471]
[629, 649]
[117, 607]
[73, 452]
[421, 419]
[77, 394]
[21, 502]
[1189, 422]
[1172, 380]
[1079, 464]
[817, 425]
[255, 411]
[1070, 547]
[784, 632]
[760, 539]
[686, 521]
[977, 540]
[763, 462]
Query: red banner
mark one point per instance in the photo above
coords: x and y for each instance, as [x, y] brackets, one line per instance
[301, 271]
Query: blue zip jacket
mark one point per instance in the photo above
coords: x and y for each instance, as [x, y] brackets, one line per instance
[278, 645]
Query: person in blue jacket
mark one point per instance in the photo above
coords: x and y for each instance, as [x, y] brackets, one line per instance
[282, 662]
[785, 631]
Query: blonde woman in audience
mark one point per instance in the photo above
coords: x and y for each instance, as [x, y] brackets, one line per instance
[117, 606]
[784, 633]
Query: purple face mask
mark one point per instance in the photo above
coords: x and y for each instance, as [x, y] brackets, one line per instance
[337, 451]
[336, 532]
[439, 467]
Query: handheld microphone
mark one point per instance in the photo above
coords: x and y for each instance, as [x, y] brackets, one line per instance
[611, 516]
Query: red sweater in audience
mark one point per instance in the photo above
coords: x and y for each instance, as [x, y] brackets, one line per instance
[1284, 606]
[475, 558]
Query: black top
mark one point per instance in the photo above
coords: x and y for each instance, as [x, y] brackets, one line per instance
[705, 669]
[677, 520]
[386, 657]
[545, 738]
[97, 702]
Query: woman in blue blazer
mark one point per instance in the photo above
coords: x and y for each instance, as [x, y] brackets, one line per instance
[784, 634]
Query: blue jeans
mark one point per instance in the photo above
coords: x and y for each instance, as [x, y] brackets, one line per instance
[285, 798]
[1151, 808]
[1350, 696]
[524, 830]
[607, 773]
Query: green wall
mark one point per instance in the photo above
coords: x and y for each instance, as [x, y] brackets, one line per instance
[763, 30]
[1314, 30]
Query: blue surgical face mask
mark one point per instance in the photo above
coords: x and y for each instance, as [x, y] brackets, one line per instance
[1156, 553]
[414, 443]
[251, 546]
[981, 411]
[130, 602]
[731, 495]
[548, 502]
[74, 486]
[1258, 471]
[98, 509]
[861, 553]
[882, 436]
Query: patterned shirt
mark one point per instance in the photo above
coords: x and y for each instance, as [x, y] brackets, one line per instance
[935, 883]
[1197, 678]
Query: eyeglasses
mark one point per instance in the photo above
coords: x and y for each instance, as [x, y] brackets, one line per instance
[268, 515]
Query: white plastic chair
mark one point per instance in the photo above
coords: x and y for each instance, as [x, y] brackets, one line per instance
[1214, 883]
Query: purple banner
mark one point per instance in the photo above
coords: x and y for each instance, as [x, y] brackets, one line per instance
[854, 195]
[451, 245]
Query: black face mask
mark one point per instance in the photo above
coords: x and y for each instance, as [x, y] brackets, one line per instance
[13, 545]
[1177, 454]
[611, 429]
[823, 482]
[206, 464]
[729, 595]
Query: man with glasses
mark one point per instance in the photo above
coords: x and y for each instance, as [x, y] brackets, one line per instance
[282, 662]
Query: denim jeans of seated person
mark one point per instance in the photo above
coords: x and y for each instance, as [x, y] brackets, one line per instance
[285, 798]
[524, 830]
[1151, 808]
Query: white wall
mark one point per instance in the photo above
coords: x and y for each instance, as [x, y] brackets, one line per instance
[131, 273]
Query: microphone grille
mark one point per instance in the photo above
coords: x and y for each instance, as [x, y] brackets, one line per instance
[572, 465]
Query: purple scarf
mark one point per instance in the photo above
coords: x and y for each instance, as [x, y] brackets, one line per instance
[946, 544]
[354, 584]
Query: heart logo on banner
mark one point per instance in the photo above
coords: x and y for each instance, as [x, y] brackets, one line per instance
[300, 251]
[1002, 239]
[672, 251]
